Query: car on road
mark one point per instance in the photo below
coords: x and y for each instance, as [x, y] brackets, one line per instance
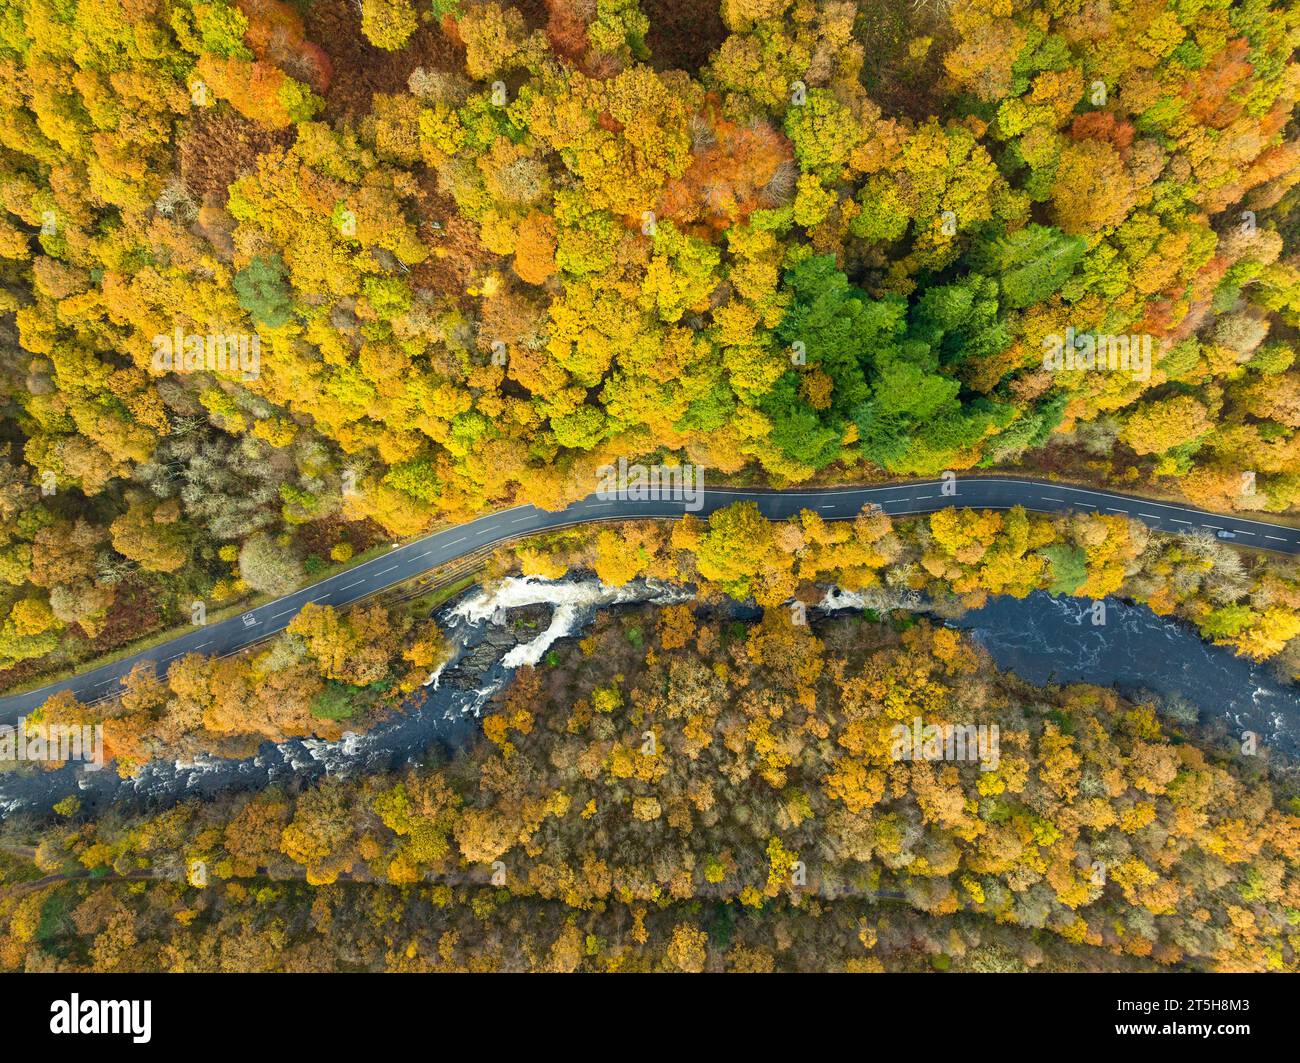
[1225, 534]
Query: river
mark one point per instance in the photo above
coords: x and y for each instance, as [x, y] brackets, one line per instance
[1041, 638]
[1047, 639]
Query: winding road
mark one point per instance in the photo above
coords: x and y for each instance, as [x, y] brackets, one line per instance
[404, 562]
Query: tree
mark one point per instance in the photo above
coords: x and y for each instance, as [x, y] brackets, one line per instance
[151, 536]
[319, 837]
[1030, 264]
[1162, 424]
[262, 291]
[739, 552]
[388, 24]
[268, 566]
[1092, 190]
[535, 248]
[686, 950]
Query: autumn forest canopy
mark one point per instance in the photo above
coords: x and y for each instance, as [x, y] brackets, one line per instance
[283, 281]
[677, 794]
[481, 249]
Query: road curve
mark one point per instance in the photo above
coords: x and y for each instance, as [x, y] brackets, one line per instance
[404, 562]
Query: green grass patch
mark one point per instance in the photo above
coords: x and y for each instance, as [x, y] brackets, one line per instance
[425, 604]
[336, 702]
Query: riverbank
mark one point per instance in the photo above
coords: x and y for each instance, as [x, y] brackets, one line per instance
[1044, 640]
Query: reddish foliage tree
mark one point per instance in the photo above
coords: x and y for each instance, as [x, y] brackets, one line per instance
[1102, 125]
[566, 29]
[734, 171]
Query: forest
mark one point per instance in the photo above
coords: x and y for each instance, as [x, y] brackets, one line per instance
[336, 669]
[685, 793]
[281, 281]
[285, 281]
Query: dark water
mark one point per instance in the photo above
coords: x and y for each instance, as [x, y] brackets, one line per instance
[1041, 638]
[445, 717]
[1054, 640]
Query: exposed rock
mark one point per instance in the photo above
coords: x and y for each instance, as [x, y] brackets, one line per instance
[514, 626]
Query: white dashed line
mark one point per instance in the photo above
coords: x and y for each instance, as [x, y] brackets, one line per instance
[1289, 541]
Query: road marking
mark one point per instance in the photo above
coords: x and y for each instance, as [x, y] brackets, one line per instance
[522, 519]
[1095, 494]
[922, 498]
[861, 490]
[351, 585]
[388, 569]
[886, 493]
[276, 616]
[1214, 526]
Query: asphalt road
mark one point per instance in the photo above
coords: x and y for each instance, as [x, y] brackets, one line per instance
[402, 563]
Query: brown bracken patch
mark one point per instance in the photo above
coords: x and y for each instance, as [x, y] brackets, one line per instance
[683, 34]
[361, 69]
[221, 145]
